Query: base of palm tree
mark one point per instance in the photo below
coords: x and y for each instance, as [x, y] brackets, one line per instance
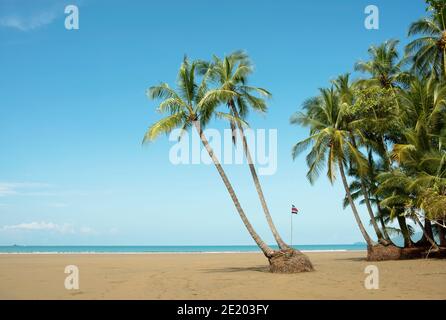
[423, 252]
[290, 261]
[381, 253]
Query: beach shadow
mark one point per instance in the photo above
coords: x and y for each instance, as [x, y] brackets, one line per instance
[264, 269]
[359, 259]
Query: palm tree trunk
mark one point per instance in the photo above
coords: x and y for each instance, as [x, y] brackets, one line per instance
[383, 225]
[371, 214]
[368, 205]
[267, 251]
[353, 206]
[425, 233]
[277, 237]
[444, 64]
[441, 234]
[428, 228]
[405, 231]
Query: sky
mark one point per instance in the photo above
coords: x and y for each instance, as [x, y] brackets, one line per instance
[73, 112]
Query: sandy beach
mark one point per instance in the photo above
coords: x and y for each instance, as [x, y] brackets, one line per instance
[339, 275]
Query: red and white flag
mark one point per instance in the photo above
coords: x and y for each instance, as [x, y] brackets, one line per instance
[294, 210]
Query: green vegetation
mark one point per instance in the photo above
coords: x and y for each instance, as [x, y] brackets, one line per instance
[385, 135]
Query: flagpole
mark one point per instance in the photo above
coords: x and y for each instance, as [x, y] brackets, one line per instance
[291, 242]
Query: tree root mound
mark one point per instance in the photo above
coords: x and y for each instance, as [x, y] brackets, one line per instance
[391, 252]
[381, 253]
[290, 261]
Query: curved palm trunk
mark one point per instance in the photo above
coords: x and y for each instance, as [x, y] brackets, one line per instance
[426, 235]
[267, 251]
[428, 228]
[353, 206]
[365, 193]
[277, 237]
[372, 216]
[383, 225]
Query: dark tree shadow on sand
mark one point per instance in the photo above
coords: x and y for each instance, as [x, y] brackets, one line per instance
[263, 268]
[358, 259]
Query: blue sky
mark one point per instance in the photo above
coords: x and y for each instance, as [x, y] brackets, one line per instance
[73, 112]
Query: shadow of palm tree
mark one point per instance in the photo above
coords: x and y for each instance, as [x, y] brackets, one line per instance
[264, 269]
[360, 259]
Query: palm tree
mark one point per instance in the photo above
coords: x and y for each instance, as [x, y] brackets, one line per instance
[421, 153]
[384, 67]
[345, 91]
[428, 53]
[231, 73]
[403, 200]
[324, 115]
[193, 105]
[358, 186]
[386, 75]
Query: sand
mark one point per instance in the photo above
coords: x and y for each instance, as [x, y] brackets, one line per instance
[338, 275]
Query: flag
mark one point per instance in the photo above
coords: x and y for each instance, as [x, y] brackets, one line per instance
[294, 210]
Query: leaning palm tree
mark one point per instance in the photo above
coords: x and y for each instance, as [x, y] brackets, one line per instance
[231, 73]
[193, 105]
[331, 144]
[428, 53]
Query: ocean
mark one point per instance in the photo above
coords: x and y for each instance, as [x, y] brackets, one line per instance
[168, 249]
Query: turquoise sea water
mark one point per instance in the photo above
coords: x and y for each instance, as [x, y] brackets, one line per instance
[176, 249]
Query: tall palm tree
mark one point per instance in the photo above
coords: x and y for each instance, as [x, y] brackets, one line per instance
[346, 94]
[231, 73]
[421, 151]
[193, 105]
[331, 144]
[386, 73]
[428, 52]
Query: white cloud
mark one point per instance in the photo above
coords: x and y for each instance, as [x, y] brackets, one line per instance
[22, 188]
[64, 228]
[26, 23]
[42, 226]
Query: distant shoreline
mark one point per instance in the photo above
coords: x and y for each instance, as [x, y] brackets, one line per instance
[165, 252]
[18, 249]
